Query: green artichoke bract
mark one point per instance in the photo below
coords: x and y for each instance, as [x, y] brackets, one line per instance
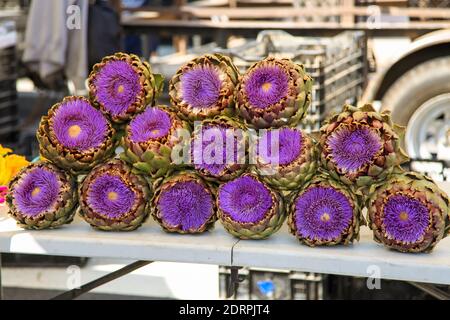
[249, 209]
[204, 87]
[219, 149]
[408, 212]
[184, 203]
[286, 158]
[41, 196]
[113, 198]
[122, 85]
[361, 146]
[273, 93]
[150, 139]
[325, 212]
[75, 136]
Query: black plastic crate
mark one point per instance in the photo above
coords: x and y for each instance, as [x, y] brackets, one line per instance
[265, 284]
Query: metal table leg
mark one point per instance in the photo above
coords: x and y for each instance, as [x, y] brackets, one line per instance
[72, 294]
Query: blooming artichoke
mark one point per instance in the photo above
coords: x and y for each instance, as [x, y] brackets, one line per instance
[204, 87]
[75, 136]
[360, 146]
[408, 212]
[184, 203]
[113, 198]
[274, 92]
[219, 149]
[42, 196]
[150, 138]
[286, 158]
[249, 209]
[325, 212]
[121, 85]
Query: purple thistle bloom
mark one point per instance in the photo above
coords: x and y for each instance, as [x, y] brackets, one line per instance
[214, 138]
[322, 213]
[77, 125]
[405, 219]
[152, 124]
[118, 86]
[266, 86]
[37, 192]
[109, 196]
[245, 200]
[352, 149]
[200, 86]
[187, 205]
[289, 146]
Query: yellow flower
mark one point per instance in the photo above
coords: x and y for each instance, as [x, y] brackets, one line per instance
[10, 166]
[4, 151]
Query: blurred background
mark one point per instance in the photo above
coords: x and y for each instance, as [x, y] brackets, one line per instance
[394, 54]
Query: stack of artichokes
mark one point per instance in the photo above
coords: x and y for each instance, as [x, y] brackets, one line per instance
[229, 147]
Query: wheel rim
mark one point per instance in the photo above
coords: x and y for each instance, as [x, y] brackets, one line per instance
[428, 131]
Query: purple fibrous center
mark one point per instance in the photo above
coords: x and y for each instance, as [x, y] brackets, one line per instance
[109, 196]
[186, 205]
[152, 124]
[281, 146]
[215, 149]
[322, 213]
[266, 85]
[352, 149]
[405, 219]
[37, 192]
[79, 126]
[200, 86]
[245, 200]
[118, 86]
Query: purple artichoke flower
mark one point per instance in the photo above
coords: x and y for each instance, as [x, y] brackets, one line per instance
[286, 158]
[122, 85]
[249, 209]
[113, 198]
[78, 126]
[184, 203]
[325, 212]
[273, 93]
[218, 149]
[41, 196]
[150, 138]
[267, 85]
[408, 212]
[75, 136]
[204, 87]
[353, 148]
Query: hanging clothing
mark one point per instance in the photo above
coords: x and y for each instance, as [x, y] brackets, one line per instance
[56, 40]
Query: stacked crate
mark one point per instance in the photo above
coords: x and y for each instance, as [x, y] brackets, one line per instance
[337, 64]
[8, 78]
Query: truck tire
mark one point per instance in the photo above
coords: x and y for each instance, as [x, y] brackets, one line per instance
[421, 93]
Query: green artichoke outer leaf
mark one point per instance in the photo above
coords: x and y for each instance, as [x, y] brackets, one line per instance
[431, 204]
[59, 214]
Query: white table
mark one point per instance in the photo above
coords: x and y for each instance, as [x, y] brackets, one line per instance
[280, 251]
